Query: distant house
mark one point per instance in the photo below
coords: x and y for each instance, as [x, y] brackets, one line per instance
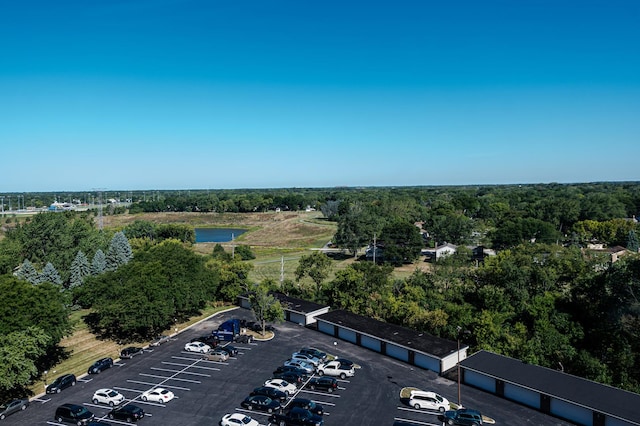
[445, 249]
[479, 253]
[374, 252]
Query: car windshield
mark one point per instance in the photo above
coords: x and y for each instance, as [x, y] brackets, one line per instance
[80, 410]
[246, 420]
[112, 393]
[164, 391]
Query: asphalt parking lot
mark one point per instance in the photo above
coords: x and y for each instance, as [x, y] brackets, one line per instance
[206, 390]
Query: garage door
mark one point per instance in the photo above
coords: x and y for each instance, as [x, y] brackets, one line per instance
[348, 335]
[370, 343]
[480, 381]
[521, 395]
[571, 412]
[427, 362]
[397, 352]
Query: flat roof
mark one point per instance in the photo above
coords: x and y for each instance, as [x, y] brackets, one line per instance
[402, 336]
[605, 399]
[298, 305]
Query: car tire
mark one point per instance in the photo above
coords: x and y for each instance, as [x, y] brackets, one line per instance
[330, 390]
[450, 421]
[343, 376]
[111, 404]
[269, 410]
[416, 406]
[312, 387]
[95, 401]
[250, 407]
[320, 373]
[79, 422]
[59, 419]
[283, 423]
[2, 416]
[58, 390]
[144, 398]
[73, 383]
[110, 416]
[24, 407]
[441, 409]
[129, 420]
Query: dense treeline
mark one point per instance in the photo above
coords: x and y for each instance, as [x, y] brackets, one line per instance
[543, 298]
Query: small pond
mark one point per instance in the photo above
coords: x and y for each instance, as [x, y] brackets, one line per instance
[217, 235]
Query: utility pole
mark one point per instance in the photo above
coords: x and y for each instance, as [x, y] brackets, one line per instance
[2, 199]
[375, 248]
[281, 270]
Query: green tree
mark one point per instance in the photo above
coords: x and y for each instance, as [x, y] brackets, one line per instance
[28, 272]
[633, 244]
[50, 274]
[402, 242]
[316, 266]
[119, 252]
[80, 269]
[244, 252]
[99, 263]
[265, 307]
[19, 355]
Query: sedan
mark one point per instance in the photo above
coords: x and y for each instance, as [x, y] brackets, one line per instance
[262, 403]
[271, 392]
[286, 368]
[305, 366]
[305, 357]
[314, 352]
[158, 340]
[197, 347]
[130, 352]
[328, 384]
[158, 395]
[291, 377]
[238, 419]
[12, 407]
[307, 404]
[282, 385]
[216, 355]
[129, 413]
[100, 365]
[231, 350]
[107, 396]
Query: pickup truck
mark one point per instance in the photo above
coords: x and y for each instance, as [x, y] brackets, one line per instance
[334, 368]
[296, 417]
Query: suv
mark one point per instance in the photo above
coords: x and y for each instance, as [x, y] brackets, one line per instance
[61, 383]
[73, 413]
[100, 365]
[463, 416]
[429, 400]
[130, 352]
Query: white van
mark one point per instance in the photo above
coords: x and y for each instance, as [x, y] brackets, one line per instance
[428, 400]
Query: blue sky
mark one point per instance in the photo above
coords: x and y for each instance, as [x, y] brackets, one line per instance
[194, 94]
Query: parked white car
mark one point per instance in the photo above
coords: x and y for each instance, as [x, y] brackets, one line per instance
[297, 356]
[336, 369]
[200, 347]
[108, 396]
[238, 419]
[282, 385]
[161, 395]
[428, 400]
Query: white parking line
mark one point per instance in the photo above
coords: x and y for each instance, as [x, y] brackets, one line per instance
[416, 422]
[423, 411]
[197, 366]
[180, 372]
[165, 378]
[326, 394]
[157, 384]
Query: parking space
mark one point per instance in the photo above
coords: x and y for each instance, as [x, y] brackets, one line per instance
[206, 390]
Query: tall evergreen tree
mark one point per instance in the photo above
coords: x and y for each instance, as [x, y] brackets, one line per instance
[28, 272]
[50, 274]
[99, 263]
[79, 270]
[119, 252]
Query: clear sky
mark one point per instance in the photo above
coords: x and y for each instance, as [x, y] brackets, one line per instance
[194, 94]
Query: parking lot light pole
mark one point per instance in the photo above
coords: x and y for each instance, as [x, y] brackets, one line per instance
[459, 333]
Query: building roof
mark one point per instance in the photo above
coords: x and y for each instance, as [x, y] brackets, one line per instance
[605, 399]
[298, 305]
[402, 336]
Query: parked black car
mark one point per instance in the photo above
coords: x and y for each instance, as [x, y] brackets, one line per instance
[291, 377]
[297, 417]
[61, 383]
[72, 413]
[130, 352]
[262, 403]
[292, 369]
[463, 416]
[207, 339]
[244, 338]
[306, 404]
[100, 365]
[325, 383]
[271, 392]
[231, 350]
[129, 413]
[12, 407]
[314, 352]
